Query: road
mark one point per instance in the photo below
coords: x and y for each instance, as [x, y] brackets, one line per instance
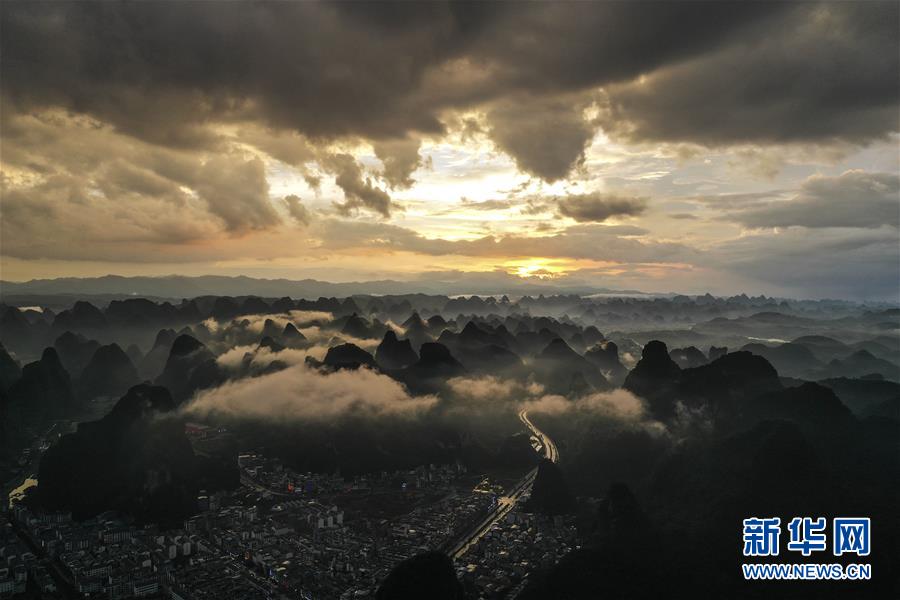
[550, 449]
[506, 503]
[252, 483]
[28, 471]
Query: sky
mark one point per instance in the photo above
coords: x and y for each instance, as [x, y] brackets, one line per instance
[674, 146]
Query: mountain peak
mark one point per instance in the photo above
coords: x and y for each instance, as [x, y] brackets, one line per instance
[185, 344]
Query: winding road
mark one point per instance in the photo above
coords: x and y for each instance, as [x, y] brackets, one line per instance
[506, 503]
[550, 449]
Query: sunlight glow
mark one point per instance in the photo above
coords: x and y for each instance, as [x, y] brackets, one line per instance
[539, 268]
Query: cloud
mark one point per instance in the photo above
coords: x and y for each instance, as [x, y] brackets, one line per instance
[486, 205]
[820, 73]
[116, 148]
[120, 177]
[300, 319]
[492, 388]
[597, 208]
[629, 360]
[355, 73]
[400, 158]
[237, 191]
[619, 404]
[859, 264]
[125, 65]
[326, 338]
[736, 200]
[545, 136]
[261, 357]
[299, 393]
[852, 199]
[75, 189]
[297, 210]
[486, 395]
[490, 392]
[288, 146]
[586, 241]
[359, 192]
[66, 217]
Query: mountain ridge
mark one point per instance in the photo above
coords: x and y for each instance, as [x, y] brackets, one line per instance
[182, 286]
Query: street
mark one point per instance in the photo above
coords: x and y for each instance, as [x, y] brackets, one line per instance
[508, 502]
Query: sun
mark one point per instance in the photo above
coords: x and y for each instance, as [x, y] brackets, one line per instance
[535, 268]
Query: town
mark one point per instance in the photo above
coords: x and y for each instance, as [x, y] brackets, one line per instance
[283, 534]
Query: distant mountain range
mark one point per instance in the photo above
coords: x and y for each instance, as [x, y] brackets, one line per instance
[176, 286]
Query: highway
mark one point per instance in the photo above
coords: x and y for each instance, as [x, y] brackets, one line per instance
[506, 503]
[550, 449]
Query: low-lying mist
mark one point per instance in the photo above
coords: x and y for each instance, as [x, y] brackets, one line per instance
[482, 393]
[255, 323]
[301, 393]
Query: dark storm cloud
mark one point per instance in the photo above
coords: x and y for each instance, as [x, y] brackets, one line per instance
[545, 136]
[853, 199]
[822, 73]
[132, 130]
[597, 208]
[155, 69]
[715, 72]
